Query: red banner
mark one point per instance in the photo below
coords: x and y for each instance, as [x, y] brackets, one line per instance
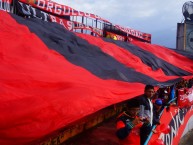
[135, 33]
[30, 11]
[176, 120]
[61, 10]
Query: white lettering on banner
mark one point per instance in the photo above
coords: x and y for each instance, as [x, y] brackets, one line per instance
[49, 7]
[61, 23]
[174, 129]
[131, 31]
[45, 16]
[30, 11]
[1, 5]
[41, 4]
[34, 12]
[53, 18]
[167, 137]
[26, 11]
[57, 9]
[69, 24]
[5, 6]
[177, 121]
[66, 11]
[181, 121]
[161, 136]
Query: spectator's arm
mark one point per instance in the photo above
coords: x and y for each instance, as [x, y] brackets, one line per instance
[123, 129]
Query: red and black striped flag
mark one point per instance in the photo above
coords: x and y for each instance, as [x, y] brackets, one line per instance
[51, 77]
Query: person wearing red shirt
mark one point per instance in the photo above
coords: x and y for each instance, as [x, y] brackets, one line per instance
[128, 124]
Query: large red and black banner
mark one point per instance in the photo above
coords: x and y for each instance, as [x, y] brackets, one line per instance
[51, 77]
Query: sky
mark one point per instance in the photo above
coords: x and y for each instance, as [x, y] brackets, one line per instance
[157, 17]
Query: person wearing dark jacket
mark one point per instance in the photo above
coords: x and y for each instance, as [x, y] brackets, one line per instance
[128, 124]
[146, 112]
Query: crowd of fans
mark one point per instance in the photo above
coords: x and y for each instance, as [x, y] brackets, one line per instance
[135, 123]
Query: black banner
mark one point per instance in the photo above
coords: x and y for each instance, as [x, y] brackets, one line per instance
[31, 12]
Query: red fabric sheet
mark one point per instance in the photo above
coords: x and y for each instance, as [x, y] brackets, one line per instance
[126, 58]
[168, 55]
[41, 91]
